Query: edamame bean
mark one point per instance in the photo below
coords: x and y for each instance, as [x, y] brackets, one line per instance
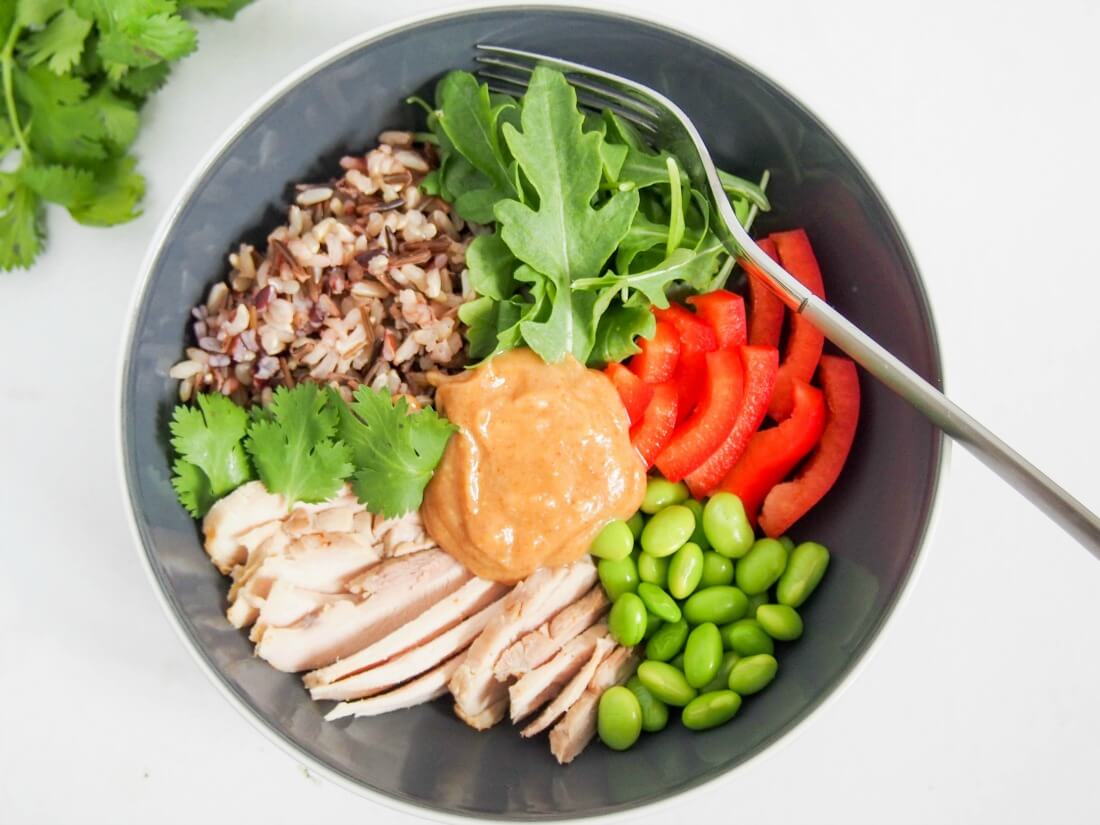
[780, 621]
[627, 619]
[685, 570]
[726, 525]
[721, 678]
[754, 602]
[717, 570]
[746, 638]
[667, 531]
[619, 719]
[652, 625]
[805, 568]
[659, 494]
[667, 641]
[787, 542]
[653, 569]
[752, 674]
[658, 602]
[720, 605]
[702, 654]
[699, 536]
[618, 576]
[636, 522]
[666, 683]
[761, 567]
[678, 661]
[709, 710]
[614, 541]
[654, 711]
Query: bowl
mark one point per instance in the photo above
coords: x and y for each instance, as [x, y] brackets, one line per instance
[874, 520]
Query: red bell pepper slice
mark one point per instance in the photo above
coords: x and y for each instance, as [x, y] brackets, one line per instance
[724, 312]
[766, 310]
[773, 453]
[804, 343]
[657, 361]
[790, 501]
[760, 364]
[634, 392]
[696, 340]
[710, 424]
[650, 435]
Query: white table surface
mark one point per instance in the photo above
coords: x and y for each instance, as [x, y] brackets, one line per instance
[977, 119]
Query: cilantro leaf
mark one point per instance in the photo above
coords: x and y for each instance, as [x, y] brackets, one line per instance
[192, 488]
[226, 9]
[141, 82]
[209, 438]
[64, 185]
[395, 451]
[295, 450]
[59, 44]
[36, 12]
[64, 126]
[117, 191]
[119, 117]
[21, 231]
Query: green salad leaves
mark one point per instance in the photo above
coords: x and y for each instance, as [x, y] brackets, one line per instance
[591, 226]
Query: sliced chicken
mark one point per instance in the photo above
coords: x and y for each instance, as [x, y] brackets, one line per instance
[287, 603]
[394, 593]
[402, 535]
[246, 508]
[485, 719]
[576, 729]
[431, 685]
[534, 600]
[467, 600]
[276, 542]
[573, 690]
[539, 685]
[411, 663]
[326, 567]
[538, 646]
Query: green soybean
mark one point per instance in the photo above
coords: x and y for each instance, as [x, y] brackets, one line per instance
[658, 602]
[685, 570]
[699, 536]
[618, 576]
[653, 569]
[717, 570]
[719, 604]
[780, 621]
[721, 678]
[627, 620]
[666, 683]
[755, 601]
[619, 719]
[762, 566]
[654, 711]
[805, 568]
[668, 530]
[787, 542]
[667, 641]
[660, 493]
[709, 710]
[636, 522]
[652, 625]
[702, 654]
[678, 661]
[746, 638]
[726, 525]
[614, 541]
[752, 674]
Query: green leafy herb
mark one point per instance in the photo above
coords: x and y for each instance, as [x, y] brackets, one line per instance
[211, 461]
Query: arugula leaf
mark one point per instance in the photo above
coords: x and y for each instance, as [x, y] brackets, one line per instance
[492, 267]
[619, 328]
[21, 231]
[295, 450]
[642, 236]
[207, 439]
[681, 265]
[59, 44]
[395, 450]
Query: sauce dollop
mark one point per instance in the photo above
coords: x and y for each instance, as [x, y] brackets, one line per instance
[542, 461]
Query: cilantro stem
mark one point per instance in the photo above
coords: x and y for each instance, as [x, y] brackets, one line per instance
[6, 60]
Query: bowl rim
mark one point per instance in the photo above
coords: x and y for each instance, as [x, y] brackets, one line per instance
[173, 611]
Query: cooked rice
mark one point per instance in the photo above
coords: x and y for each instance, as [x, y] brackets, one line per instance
[361, 285]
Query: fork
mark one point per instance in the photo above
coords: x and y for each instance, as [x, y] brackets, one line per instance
[664, 124]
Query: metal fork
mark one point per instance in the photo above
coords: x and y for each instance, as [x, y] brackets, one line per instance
[663, 123]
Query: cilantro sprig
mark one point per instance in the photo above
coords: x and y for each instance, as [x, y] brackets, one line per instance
[74, 75]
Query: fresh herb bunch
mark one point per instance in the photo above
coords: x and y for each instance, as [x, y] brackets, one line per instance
[74, 75]
[591, 225]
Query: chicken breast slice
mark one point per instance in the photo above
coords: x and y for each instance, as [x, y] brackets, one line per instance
[572, 691]
[246, 508]
[541, 684]
[431, 685]
[394, 593]
[287, 603]
[538, 646]
[575, 730]
[485, 719]
[467, 600]
[534, 600]
[412, 663]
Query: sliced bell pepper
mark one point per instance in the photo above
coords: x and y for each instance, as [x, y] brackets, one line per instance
[696, 340]
[804, 343]
[714, 416]
[791, 500]
[760, 365]
[650, 435]
[657, 361]
[766, 310]
[724, 312]
[634, 392]
[773, 453]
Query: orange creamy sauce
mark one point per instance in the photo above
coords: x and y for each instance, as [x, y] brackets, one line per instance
[541, 463]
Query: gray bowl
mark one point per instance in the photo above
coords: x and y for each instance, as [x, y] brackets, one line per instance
[874, 520]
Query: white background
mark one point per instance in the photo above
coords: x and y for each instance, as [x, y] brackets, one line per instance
[979, 122]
